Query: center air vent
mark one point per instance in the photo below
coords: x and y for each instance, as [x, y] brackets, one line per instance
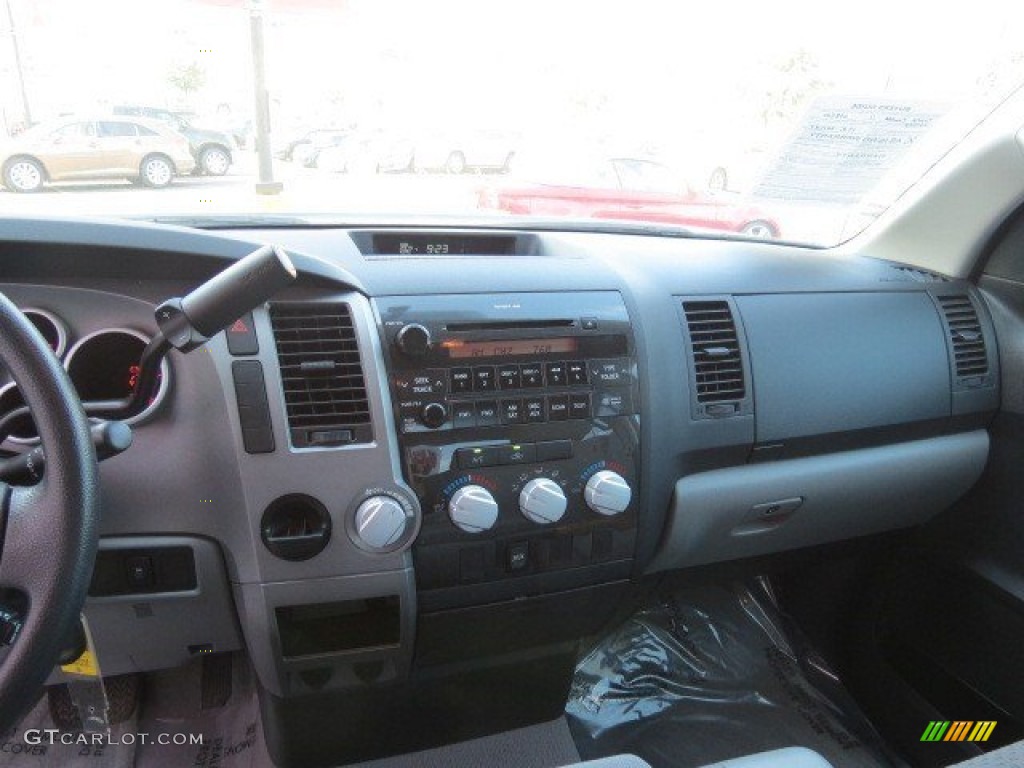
[324, 389]
[966, 335]
[717, 360]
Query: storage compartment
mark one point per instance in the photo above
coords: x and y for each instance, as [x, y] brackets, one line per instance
[347, 625]
[759, 509]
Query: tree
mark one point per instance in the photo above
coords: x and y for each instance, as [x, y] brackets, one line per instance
[794, 82]
[187, 78]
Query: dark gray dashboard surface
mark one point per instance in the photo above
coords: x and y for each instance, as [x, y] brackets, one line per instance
[649, 272]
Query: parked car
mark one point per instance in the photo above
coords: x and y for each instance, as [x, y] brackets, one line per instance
[211, 149]
[141, 150]
[484, 150]
[367, 153]
[305, 150]
[626, 188]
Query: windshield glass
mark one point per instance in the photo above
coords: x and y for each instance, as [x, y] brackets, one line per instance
[791, 121]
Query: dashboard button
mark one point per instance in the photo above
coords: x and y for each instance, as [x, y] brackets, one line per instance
[576, 371]
[462, 380]
[556, 374]
[474, 458]
[487, 413]
[558, 407]
[588, 323]
[463, 415]
[533, 375]
[483, 378]
[534, 409]
[508, 377]
[512, 412]
[579, 406]
[519, 453]
[610, 372]
[518, 556]
[554, 449]
[613, 402]
[241, 336]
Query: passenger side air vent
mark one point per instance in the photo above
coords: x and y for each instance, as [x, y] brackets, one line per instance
[324, 389]
[717, 358]
[966, 335]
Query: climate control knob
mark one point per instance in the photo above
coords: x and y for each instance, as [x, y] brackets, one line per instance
[413, 339]
[607, 493]
[380, 522]
[473, 509]
[542, 501]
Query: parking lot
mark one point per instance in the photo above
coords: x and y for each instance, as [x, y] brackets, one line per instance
[305, 191]
[312, 191]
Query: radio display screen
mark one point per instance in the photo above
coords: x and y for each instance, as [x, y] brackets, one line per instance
[510, 347]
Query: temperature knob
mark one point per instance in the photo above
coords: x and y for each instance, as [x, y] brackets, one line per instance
[380, 522]
[542, 501]
[413, 339]
[473, 509]
[607, 493]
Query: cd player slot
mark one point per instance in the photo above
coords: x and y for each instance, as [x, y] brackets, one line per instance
[510, 325]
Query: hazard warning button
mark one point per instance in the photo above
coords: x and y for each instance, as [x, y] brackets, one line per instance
[241, 336]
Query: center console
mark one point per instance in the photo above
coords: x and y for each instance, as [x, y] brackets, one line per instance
[517, 426]
[519, 429]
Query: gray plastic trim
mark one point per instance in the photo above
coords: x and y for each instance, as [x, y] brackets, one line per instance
[170, 622]
[848, 494]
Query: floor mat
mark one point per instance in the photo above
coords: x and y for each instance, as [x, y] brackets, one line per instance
[211, 700]
[710, 674]
[547, 745]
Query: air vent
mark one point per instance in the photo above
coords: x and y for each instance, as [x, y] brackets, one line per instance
[966, 335]
[324, 390]
[717, 362]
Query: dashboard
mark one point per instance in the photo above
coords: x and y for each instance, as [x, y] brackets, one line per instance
[444, 448]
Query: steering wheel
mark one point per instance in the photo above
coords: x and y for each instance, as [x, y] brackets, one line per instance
[48, 532]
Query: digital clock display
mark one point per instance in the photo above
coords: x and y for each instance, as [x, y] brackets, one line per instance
[509, 347]
[442, 245]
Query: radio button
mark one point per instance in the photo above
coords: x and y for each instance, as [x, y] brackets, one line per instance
[614, 402]
[508, 377]
[610, 372]
[486, 413]
[483, 378]
[512, 412]
[519, 453]
[556, 374]
[576, 372]
[533, 375]
[463, 415]
[534, 408]
[462, 380]
[579, 406]
[558, 407]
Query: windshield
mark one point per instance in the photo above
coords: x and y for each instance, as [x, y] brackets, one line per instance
[788, 121]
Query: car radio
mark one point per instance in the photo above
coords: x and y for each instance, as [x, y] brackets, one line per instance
[519, 427]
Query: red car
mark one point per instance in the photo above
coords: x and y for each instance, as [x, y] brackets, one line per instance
[625, 189]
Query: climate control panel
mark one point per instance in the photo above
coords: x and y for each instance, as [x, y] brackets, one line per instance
[519, 424]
